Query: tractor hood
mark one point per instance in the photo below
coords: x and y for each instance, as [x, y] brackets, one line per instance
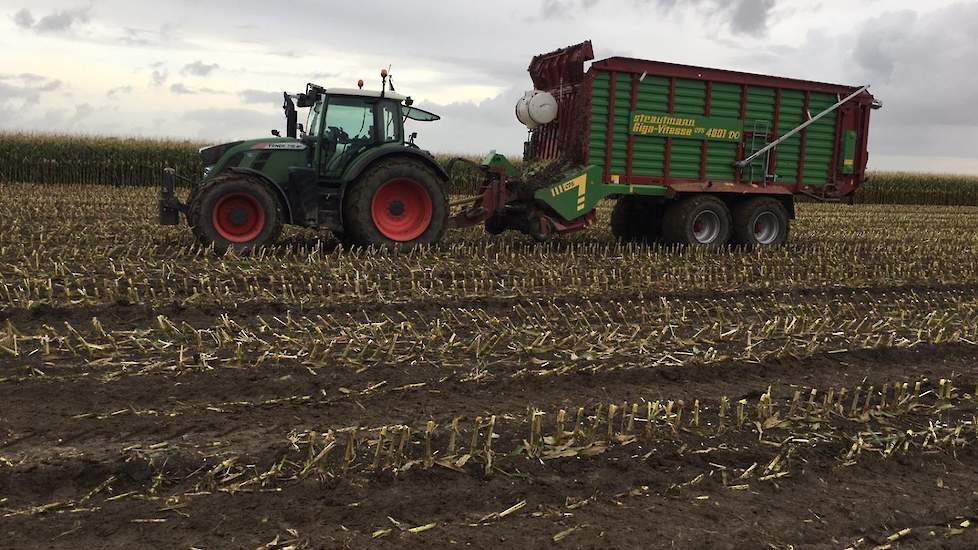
[210, 155]
[249, 154]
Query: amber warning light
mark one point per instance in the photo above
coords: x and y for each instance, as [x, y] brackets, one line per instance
[360, 83]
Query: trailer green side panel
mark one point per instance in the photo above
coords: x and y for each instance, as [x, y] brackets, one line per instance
[648, 153]
[721, 156]
[792, 109]
[820, 142]
[690, 99]
[709, 102]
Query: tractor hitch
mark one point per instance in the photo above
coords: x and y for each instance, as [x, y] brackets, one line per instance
[502, 204]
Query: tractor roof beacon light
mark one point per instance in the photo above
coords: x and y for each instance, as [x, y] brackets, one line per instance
[383, 82]
[360, 83]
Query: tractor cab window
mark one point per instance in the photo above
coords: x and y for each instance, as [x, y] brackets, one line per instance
[348, 129]
[391, 120]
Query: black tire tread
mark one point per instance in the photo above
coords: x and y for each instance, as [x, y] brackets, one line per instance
[196, 201]
[357, 215]
[745, 210]
[678, 215]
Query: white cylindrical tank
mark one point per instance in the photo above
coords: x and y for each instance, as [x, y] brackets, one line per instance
[536, 108]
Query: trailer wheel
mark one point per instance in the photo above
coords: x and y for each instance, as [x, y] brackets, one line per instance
[760, 221]
[235, 211]
[635, 219]
[397, 202]
[699, 220]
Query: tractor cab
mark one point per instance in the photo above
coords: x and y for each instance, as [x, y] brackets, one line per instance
[344, 123]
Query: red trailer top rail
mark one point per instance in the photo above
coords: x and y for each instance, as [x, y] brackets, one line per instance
[661, 68]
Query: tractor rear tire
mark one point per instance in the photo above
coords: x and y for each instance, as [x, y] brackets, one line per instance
[398, 202]
[699, 220]
[235, 211]
[760, 221]
[636, 219]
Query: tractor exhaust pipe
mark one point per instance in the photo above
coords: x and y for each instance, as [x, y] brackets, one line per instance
[291, 117]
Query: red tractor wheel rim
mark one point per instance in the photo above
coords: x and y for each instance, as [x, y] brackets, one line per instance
[238, 217]
[401, 209]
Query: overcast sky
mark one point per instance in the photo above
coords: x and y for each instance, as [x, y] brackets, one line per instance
[213, 70]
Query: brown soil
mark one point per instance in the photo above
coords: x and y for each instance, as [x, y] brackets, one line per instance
[125, 446]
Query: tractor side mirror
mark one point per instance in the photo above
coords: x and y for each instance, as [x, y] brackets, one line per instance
[276, 133]
[414, 135]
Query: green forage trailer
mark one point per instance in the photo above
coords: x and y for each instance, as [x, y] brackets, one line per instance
[709, 156]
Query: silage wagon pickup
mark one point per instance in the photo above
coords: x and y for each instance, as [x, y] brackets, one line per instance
[694, 156]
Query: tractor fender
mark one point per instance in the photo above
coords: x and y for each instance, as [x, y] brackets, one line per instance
[365, 161]
[275, 186]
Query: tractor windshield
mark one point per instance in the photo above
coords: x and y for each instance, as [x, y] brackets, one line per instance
[420, 115]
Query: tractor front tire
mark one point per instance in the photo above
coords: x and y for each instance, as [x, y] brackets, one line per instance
[699, 220]
[398, 202]
[235, 211]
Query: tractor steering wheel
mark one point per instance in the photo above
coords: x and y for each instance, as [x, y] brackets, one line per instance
[339, 135]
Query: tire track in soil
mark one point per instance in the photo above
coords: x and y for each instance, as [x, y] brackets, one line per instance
[831, 506]
[182, 411]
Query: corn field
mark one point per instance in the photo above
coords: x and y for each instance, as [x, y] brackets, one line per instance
[62, 159]
[486, 391]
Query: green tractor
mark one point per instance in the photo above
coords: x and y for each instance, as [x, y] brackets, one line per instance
[350, 169]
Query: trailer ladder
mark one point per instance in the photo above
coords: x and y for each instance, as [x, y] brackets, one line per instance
[759, 138]
[802, 126]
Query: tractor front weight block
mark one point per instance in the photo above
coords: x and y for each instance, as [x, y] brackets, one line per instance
[170, 205]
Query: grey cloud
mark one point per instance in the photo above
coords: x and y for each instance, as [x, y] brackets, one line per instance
[743, 16]
[164, 36]
[179, 88]
[49, 86]
[26, 86]
[453, 133]
[116, 92]
[59, 21]
[561, 9]
[922, 66]
[159, 76]
[82, 112]
[224, 124]
[24, 19]
[259, 96]
[881, 43]
[32, 77]
[199, 68]
[751, 16]
[324, 76]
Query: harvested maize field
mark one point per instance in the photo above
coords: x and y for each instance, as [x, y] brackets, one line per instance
[486, 392]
